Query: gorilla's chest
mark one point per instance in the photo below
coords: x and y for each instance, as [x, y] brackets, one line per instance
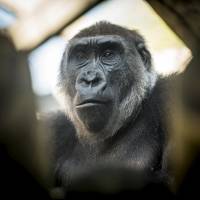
[85, 159]
[127, 152]
[91, 155]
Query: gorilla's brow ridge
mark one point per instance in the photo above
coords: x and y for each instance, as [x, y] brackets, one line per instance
[96, 40]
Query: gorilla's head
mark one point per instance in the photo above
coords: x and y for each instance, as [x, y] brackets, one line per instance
[105, 74]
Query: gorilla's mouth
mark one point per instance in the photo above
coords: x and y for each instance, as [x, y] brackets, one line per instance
[94, 113]
[91, 102]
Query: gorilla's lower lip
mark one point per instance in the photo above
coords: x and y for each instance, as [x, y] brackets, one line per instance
[88, 103]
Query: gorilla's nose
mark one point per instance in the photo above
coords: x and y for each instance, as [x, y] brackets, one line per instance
[91, 80]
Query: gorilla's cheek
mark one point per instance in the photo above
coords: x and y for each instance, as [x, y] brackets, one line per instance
[95, 117]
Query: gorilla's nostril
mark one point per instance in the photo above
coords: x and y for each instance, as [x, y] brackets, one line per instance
[89, 73]
[91, 76]
[95, 81]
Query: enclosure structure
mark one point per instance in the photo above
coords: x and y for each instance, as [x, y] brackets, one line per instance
[27, 32]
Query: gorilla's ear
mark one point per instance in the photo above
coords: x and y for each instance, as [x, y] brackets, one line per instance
[145, 54]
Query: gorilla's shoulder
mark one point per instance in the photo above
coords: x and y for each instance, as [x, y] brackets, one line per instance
[60, 127]
[60, 120]
[57, 120]
[160, 93]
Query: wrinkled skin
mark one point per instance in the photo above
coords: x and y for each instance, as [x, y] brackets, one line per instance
[94, 67]
[112, 105]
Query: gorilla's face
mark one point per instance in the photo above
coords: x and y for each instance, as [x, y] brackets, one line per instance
[104, 80]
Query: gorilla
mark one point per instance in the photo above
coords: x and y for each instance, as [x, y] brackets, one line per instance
[113, 112]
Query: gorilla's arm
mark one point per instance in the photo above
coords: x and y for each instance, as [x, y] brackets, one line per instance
[63, 134]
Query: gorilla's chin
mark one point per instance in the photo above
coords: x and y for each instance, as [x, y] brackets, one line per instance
[93, 116]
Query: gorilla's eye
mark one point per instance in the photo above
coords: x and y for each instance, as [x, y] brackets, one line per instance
[108, 54]
[110, 57]
[80, 57]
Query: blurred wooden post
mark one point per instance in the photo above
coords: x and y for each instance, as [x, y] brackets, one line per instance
[184, 17]
[21, 137]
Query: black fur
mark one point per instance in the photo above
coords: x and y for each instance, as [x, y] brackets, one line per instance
[133, 139]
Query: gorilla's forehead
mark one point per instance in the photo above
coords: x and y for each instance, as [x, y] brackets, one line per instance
[96, 40]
